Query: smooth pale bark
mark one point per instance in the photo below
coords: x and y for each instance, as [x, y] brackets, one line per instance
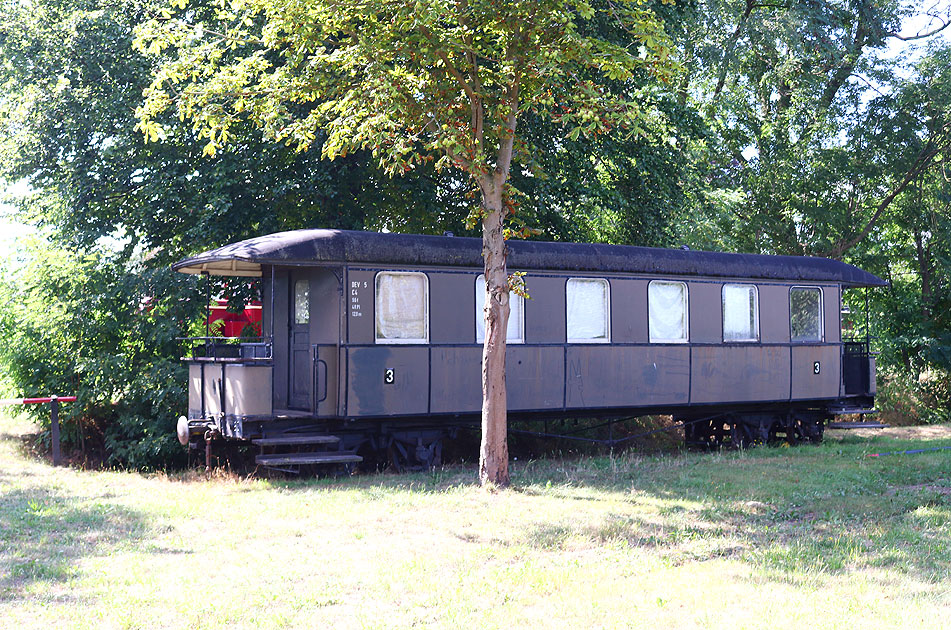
[494, 451]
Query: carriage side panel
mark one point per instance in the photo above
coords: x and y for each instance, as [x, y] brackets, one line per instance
[359, 293]
[545, 310]
[456, 379]
[194, 390]
[451, 307]
[706, 316]
[628, 310]
[739, 373]
[774, 313]
[627, 376]
[248, 390]
[535, 377]
[212, 389]
[816, 371]
[833, 314]
[387, 381]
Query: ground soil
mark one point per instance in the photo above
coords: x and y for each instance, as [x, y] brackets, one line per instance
[920, 432]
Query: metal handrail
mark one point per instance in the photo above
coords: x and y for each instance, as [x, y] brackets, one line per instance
[213, 348]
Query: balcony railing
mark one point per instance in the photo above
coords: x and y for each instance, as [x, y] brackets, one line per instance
[228, 349]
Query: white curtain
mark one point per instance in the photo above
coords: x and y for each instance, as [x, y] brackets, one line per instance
[514, 332]
[401, 306]
[667, 306]
[740, 313]
[587, 308]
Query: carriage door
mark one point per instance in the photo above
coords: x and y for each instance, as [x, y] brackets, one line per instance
[301, 365]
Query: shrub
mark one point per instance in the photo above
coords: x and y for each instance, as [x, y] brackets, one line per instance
[904, 399]
[103, 328]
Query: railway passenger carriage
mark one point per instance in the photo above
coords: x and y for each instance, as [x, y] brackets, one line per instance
[377, 339]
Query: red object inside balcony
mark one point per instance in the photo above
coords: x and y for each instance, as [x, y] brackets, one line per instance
[233, 324]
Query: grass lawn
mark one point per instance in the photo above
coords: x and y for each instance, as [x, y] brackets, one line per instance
[808, 537]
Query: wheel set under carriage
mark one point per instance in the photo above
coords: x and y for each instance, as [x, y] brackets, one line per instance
[748, 430]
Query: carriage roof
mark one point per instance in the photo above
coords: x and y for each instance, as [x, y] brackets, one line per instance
[322, 247]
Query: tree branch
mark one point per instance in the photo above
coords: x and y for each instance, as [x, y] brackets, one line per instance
[909, 38]
[924, 159]
[728, 50]
[475, 105]
[838, 79]
[507, 131]
[450, 68]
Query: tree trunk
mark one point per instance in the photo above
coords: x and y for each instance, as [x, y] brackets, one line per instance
[494, 452]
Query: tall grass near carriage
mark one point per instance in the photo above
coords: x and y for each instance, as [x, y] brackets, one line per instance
[102, 327]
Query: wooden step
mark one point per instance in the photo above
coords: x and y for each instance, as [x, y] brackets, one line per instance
[291, 440]
[853, 411]
[856, 425]
[283, 459]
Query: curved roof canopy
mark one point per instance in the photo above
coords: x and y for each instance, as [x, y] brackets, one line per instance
[323, 247]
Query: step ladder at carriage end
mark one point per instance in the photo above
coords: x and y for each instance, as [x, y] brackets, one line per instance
[317, 457]
[285, 459]
[855, 424]
[296, 440]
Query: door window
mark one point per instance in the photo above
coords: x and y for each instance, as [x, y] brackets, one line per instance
[302, 301]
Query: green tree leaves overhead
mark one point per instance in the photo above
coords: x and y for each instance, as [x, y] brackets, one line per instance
[71, 86]
[786, 87]
[406, 80]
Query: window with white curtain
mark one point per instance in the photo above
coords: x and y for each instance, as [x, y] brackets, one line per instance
[402, 307]
[667, 311]
[740, 312]
[515, 333]
[805, 314]
[588, 302]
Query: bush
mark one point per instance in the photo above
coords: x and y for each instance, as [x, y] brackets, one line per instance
[100, 327]
[904, 399]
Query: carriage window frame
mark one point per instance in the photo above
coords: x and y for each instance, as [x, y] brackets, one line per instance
[820, 318]
[686, 313]
[606, 306]
[480, 315]
[376, 306]
[723, 306]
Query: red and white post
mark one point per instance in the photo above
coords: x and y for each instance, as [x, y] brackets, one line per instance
[54, 402]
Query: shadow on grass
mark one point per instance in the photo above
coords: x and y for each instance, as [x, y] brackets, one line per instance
[791, 513]
[794, 513]
[44, 535]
